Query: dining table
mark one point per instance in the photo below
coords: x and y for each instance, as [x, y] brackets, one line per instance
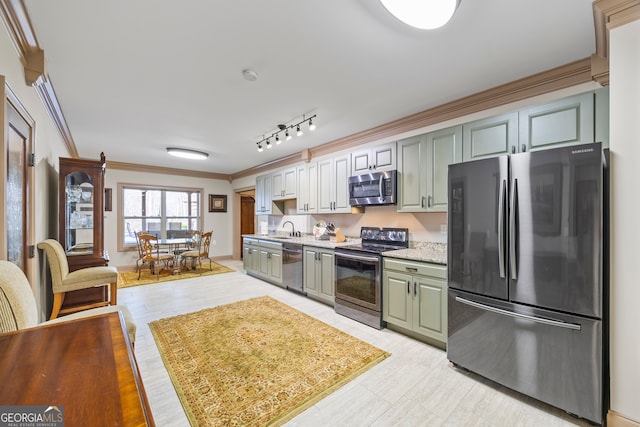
[176, 246]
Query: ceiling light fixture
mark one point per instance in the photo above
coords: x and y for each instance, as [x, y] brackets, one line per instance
[425, 15]
[285, 128]
[186, 153]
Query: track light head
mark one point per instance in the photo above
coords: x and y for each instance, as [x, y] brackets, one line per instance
[278, 140]
[287, 136]
[268, 143]
[312, 127]
[260, 148]
[298, 131]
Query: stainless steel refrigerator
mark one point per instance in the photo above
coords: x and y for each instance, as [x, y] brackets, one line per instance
[527, 267]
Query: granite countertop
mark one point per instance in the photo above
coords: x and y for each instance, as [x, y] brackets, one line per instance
[305, 239]
[422, 251]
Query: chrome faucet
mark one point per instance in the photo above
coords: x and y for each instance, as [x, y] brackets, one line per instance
[293, 228]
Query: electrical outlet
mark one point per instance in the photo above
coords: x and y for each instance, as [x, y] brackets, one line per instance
[443, 228]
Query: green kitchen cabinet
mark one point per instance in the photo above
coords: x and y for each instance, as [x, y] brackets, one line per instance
[250, 251]
[566, 121]
[490, 137]
[415, 297]
[423, 169]
[333, 184]
[283, 184]
[319, 271]
[263, 194]
[444, 147]
[270, 262]
[263, 259]
[307, 188]
[374, 159]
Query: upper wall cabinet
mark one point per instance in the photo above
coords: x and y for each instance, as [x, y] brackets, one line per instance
[444, 147]
[378, 158]
[422, 165]
[412, 174]
[307, 188]
[333, 185]
[566, 121]
[263, 195]
[283, 184]
[490, 137]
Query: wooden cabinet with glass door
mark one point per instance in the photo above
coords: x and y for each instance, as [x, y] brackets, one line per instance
[81, 232]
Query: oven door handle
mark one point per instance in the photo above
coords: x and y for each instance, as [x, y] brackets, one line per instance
[358, 257]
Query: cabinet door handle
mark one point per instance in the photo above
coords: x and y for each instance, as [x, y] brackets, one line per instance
[408, 287]
[415, 288]
[422, 202]
[411, 269]
[524, 148]
[430, 201]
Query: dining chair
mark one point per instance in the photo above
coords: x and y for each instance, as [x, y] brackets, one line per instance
[63, 281]
[200, 252]
[18, 309]
[151, 255]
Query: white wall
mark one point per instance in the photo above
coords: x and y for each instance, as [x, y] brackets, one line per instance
[48, 147]
[220, 223]
[625, 208]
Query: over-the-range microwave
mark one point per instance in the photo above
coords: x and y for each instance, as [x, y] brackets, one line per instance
[375, 188]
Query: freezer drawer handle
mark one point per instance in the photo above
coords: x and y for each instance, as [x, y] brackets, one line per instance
[551, 322]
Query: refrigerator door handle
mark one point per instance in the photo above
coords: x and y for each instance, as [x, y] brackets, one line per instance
[512, 231]
[501, 209]
[551, 322]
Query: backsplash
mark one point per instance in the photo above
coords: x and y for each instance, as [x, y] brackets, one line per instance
[423, 227]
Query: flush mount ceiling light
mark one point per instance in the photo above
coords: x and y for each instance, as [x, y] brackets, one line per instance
[282, 128]
[425, 14]
[186, 153]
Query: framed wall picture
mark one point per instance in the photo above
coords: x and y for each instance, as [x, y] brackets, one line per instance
[217, 202]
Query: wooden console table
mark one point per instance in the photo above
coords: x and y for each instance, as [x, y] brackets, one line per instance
[86, 366]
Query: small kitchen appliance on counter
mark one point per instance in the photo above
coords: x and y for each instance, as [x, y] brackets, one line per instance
[358, 275]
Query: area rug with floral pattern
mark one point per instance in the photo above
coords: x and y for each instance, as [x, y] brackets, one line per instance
[127, 279]
[256, 362]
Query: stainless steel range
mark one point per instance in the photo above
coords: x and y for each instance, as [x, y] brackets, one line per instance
[358, 280]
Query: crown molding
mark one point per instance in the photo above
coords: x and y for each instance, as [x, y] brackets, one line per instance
[134, 167]
[562, 77]
[16, 19]
[609, 14]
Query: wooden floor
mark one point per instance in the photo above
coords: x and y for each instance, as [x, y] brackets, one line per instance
[416, 386]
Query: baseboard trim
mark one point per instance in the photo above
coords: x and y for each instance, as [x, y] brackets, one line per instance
[614, 419]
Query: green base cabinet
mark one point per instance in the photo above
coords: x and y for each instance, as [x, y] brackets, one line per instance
[263, 259]
[319, 271]
[415, 297]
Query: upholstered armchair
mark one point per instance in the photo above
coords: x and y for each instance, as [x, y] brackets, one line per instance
[64, 281]
[18, 308]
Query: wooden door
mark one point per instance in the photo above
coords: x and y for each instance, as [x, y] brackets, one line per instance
[247, 217]
[17, 242]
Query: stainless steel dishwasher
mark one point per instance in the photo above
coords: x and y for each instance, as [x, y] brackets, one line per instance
[292, 266]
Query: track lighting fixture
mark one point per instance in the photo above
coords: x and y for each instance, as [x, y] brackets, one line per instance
[285, 128]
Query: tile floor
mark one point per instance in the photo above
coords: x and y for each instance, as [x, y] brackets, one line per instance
[416, 386]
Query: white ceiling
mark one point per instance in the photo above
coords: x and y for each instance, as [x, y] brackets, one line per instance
[136, 76]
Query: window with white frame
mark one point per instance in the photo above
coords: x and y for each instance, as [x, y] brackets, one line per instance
[165, 212]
